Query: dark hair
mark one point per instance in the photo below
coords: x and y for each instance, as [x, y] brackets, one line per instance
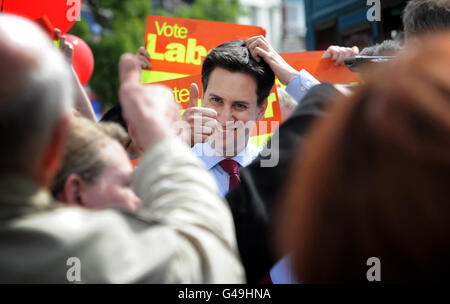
[115, 115]
[373, 179]
[386, 48]
[426, 16]
[234, 56]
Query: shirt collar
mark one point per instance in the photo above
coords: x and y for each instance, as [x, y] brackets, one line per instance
[211, 158]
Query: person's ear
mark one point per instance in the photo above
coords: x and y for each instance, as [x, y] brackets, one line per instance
[413, 43]
[261, 111]
[54, 152]
[72, 190]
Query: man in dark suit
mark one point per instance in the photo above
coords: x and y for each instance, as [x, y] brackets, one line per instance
[252, 203]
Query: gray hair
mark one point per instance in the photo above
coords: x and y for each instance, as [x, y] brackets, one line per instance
[386, 48]
[425, 17]
[36, 91]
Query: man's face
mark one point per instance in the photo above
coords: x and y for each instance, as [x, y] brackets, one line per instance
[113, 187]
[233, 96]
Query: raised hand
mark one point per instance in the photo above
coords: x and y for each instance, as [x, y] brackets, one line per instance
[144, 58]
[150, 110]
[261, 49]
[65, 47]
[338, 53]
[202, 122]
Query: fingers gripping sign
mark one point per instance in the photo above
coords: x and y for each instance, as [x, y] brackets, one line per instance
[339, 54]
[65, 46]
[144, 58]
[202, 122]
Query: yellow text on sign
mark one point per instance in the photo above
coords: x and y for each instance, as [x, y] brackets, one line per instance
[181, 95]
[171, 30]
[270, 100]
[191, 53]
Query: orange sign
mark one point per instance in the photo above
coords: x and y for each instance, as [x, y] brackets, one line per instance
[178, 46]
[321, 68]
[180, 88]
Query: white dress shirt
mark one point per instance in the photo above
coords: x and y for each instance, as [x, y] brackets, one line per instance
[211, 159]
[300, 85]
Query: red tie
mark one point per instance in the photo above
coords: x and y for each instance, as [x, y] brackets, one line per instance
[231, 167]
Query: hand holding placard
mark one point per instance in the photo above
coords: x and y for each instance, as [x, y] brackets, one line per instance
[65, 46]
[144, 58]
[338, 53]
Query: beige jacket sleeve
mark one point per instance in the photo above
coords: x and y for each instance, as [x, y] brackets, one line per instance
[181, 197]
[183, 234]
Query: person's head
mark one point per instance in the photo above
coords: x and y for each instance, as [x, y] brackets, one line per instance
[36, 98]
[236, 86]
[385, 48]
[426, 17]
[96, 171]
[373, 178]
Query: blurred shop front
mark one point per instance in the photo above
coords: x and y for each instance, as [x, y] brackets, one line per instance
[345, 23]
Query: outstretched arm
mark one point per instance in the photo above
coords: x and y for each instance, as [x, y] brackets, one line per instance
[82, 103]
[177, 192]
[298, 82]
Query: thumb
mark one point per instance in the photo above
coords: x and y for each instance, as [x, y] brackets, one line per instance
[193, 95]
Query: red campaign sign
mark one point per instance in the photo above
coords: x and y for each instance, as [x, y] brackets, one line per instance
[47, 27]
[180, 88]
[61, 13]
[321, 68]
[179, 45]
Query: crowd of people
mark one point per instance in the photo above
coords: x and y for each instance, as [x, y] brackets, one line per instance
[359, 173]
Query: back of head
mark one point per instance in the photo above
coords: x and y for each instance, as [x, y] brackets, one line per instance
[385, 48]
[373, 178]
[426, 17]
[35, 93]
[234, 56]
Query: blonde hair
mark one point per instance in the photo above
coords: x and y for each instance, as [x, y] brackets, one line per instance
[83, 152]
[286, 101]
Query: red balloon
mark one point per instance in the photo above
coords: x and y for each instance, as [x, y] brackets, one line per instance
[61, 13]
[83, 59]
